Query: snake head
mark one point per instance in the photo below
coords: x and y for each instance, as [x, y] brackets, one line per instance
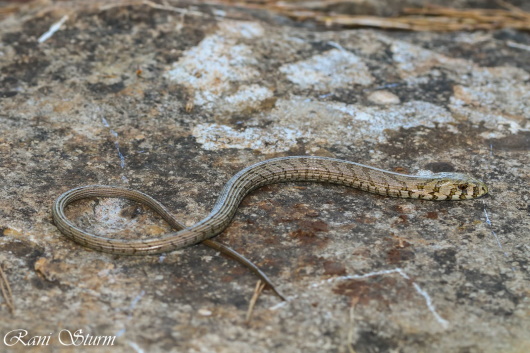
[457, 186]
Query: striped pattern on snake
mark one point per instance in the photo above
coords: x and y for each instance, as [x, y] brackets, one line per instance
[437, 186]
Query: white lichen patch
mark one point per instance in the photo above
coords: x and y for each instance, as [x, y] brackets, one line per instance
[499, 97]
[273, 140]
[413, 61]
[339, 123]
[331, 70]
[219, 61]
[319, 123]
[247, 30]
[247, 97]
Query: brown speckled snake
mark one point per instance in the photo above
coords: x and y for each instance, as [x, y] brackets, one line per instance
[436, 186]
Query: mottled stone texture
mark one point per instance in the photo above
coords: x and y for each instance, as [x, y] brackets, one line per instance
[174, 103]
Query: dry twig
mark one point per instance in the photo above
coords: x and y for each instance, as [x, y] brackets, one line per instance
[257, 291]
[430, 18]
[5, 288]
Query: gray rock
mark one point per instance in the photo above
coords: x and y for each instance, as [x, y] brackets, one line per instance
[173, 103]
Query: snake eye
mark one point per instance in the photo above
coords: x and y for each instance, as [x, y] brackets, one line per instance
[463, 186]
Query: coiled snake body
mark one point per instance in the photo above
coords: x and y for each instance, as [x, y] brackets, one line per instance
[438, 186]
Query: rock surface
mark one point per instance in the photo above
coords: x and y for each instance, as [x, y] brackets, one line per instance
[175, 101]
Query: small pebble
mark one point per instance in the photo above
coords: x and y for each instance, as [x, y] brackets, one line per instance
[205, 312]
[383, 98]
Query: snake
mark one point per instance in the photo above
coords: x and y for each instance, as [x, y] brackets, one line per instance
[431, 186]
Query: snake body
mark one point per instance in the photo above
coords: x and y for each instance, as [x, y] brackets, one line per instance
[437, 186]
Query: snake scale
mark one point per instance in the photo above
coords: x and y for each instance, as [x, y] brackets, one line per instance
[438, 186]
